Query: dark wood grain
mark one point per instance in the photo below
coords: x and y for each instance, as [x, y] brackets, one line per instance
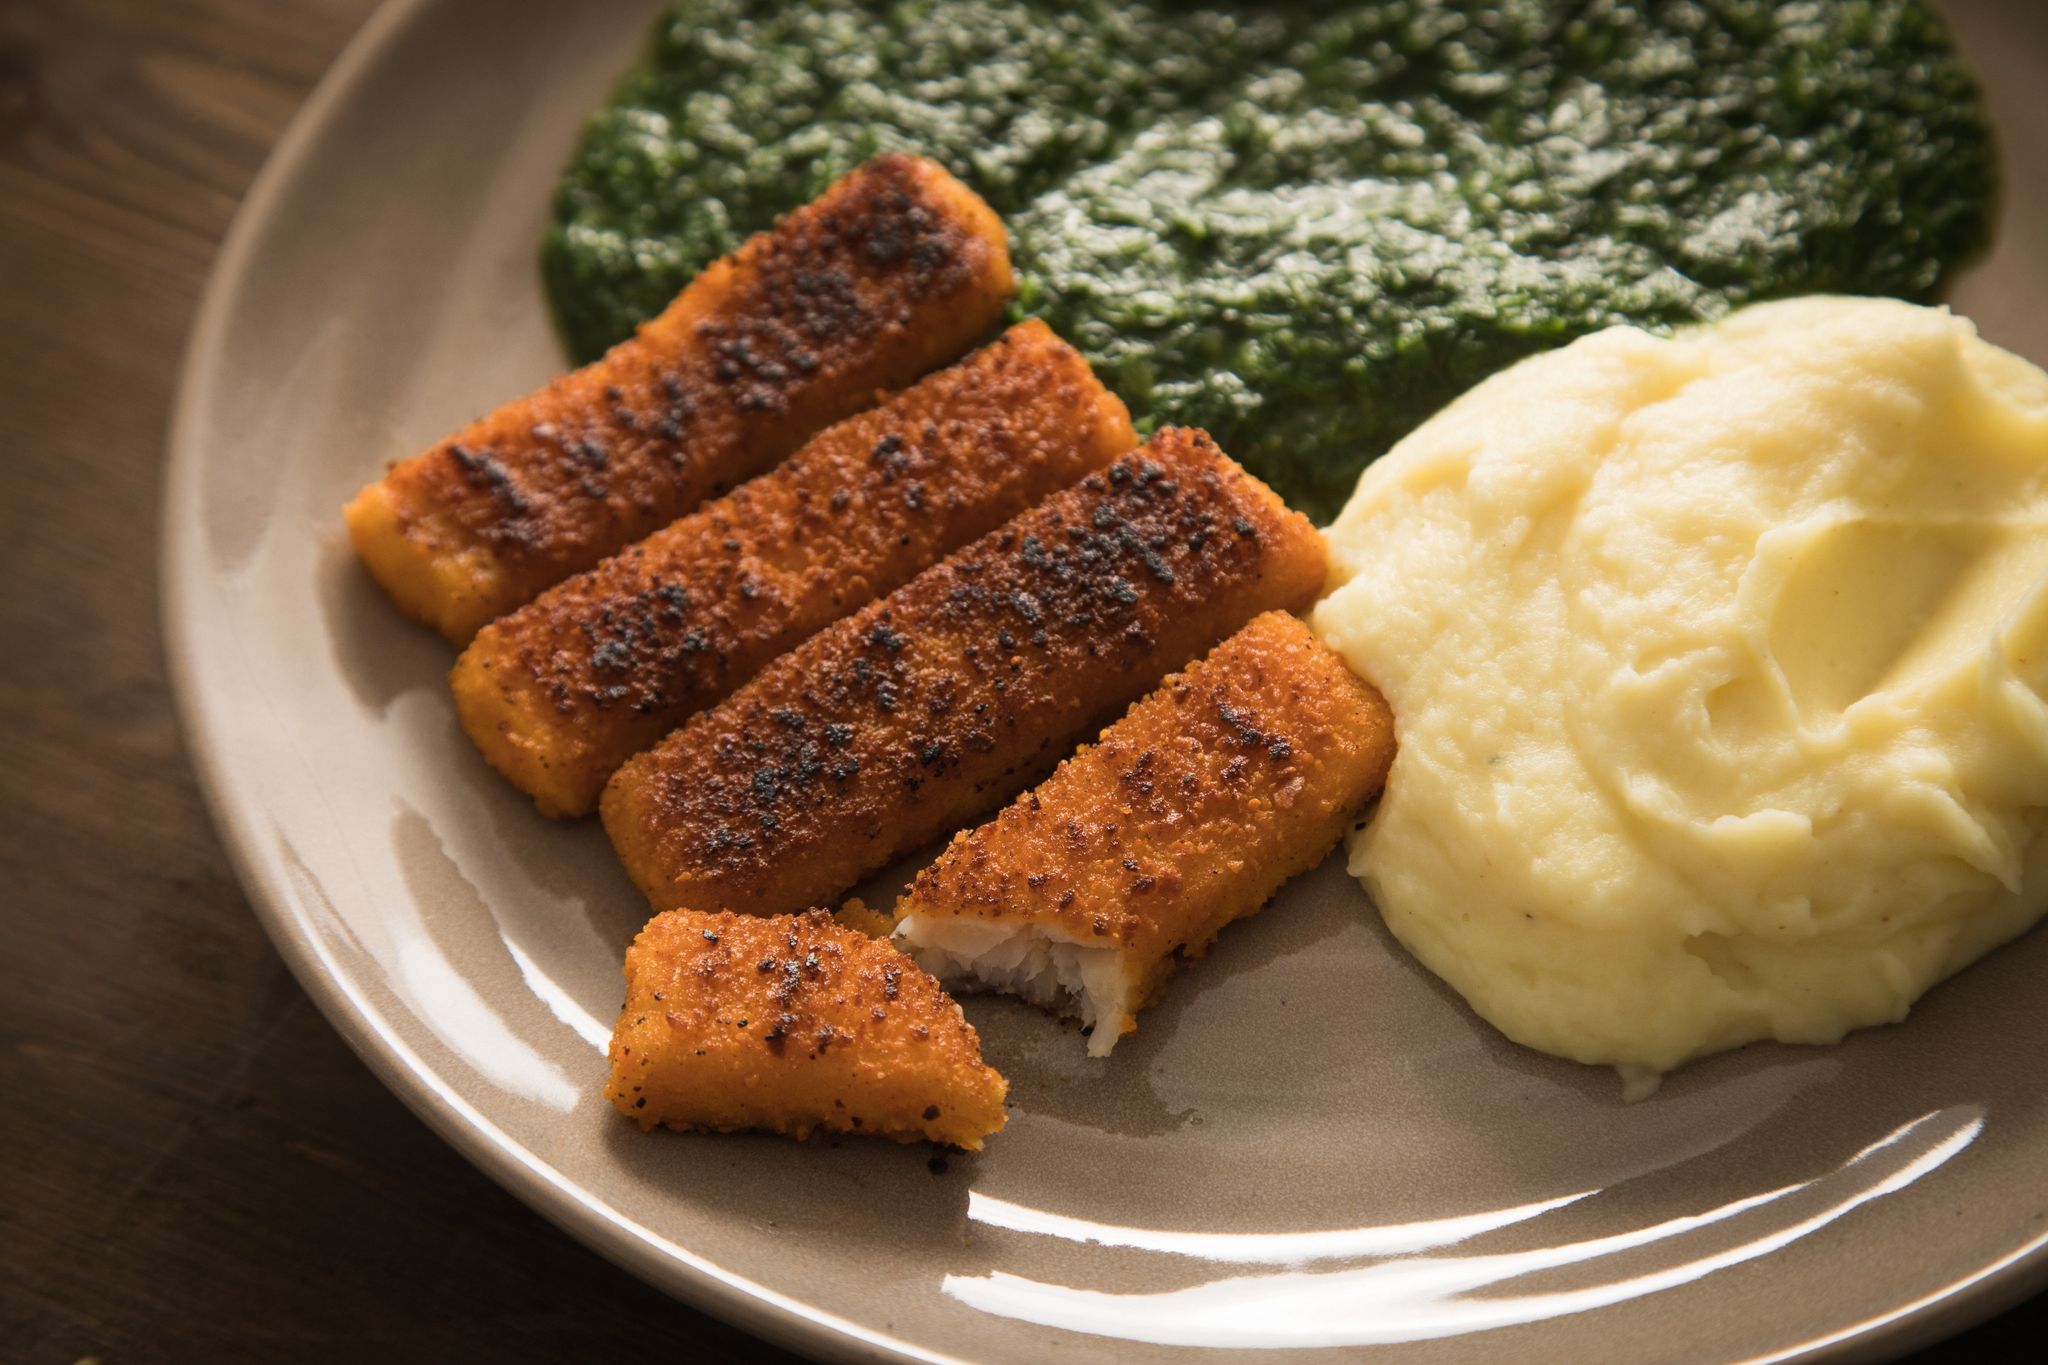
[192, 1165]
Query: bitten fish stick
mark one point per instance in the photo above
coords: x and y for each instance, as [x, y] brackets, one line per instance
[793, 1024]
[598, 668]
[1085, 893]
[928, 707]
[896, 268]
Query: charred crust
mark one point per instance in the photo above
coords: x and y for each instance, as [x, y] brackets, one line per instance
[810, 298]
[1002, 636]
[626, 651]
[1270, 740]
[831, 988]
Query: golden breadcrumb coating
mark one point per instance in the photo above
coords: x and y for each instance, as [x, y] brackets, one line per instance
[792, 1024]
[926, 708]
[896, 268]
[1186, 814]
[563, 690]
[856, 913]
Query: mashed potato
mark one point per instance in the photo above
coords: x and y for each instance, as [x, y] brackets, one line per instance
[1717, 665]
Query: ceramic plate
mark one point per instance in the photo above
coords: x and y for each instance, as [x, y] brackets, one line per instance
[1310, 1147]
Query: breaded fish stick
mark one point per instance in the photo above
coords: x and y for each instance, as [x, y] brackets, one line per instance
[894, 269]
[1084, 894]
[793, 1024]
[928, 707]
[562, 691]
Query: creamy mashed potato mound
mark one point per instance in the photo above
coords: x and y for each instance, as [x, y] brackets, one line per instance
[1718, 667]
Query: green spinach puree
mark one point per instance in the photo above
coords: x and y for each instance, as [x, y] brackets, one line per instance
[1308, 226]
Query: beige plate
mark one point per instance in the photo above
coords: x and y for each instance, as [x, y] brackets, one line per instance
[1309, 1145]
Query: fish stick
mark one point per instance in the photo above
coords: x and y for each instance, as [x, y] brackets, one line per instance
[896, 268]
[793, 1024]
[929, 706]
[560, 692]
[1085, 893]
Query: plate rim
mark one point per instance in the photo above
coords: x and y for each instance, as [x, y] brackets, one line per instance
[667, 1266]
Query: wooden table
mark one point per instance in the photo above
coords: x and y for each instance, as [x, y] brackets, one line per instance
[192, 1165]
